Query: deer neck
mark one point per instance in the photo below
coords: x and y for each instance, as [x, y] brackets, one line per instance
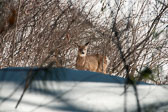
[81, 60]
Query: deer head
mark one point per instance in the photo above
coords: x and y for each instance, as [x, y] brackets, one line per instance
[82, 50]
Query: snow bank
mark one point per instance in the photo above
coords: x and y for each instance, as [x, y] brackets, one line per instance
[61, 89]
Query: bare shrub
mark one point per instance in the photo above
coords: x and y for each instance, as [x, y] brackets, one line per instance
[42, 33]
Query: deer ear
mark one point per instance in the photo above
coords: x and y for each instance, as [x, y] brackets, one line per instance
[87, 44]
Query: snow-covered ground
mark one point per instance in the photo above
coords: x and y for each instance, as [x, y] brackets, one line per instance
[71, 90]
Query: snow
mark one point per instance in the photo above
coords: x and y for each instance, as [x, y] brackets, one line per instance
[72, 90]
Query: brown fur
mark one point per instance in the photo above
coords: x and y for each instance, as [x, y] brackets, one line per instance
[95, 62]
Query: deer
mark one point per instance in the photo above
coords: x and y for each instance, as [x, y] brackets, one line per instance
[93, 62]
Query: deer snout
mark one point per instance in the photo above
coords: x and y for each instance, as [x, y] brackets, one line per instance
[82, 52]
